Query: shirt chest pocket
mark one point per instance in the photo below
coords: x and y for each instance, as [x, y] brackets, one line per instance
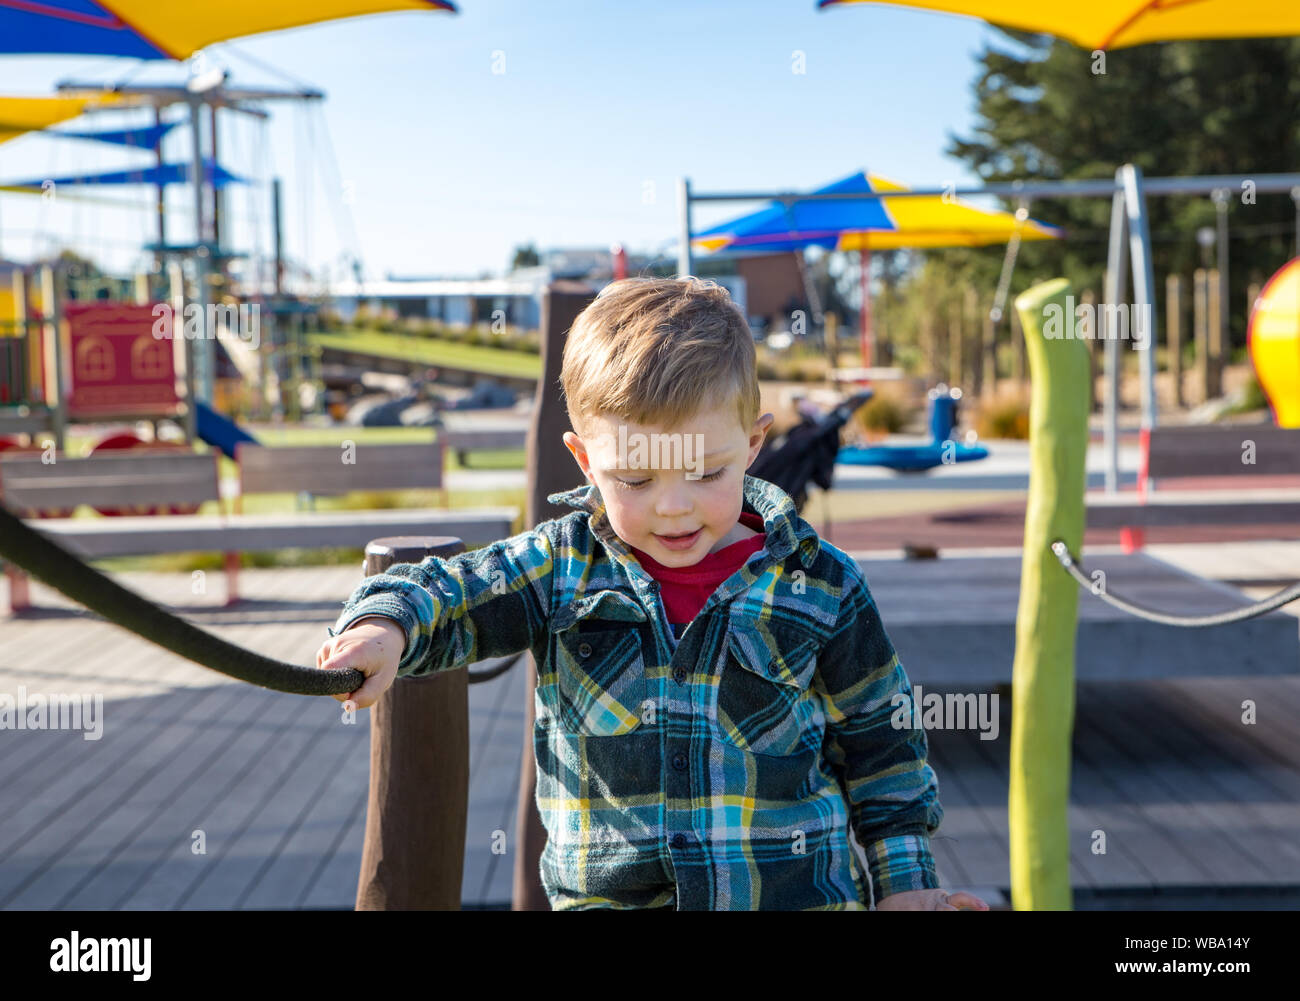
[762, 699]
[600, 674]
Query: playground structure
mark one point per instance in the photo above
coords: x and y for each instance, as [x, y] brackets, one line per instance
[1129, 245]
[941, 451]
[1274, 340]
[225, 349]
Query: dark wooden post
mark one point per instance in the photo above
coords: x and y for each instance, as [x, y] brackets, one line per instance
[551, 469]
[989, 358]
[414, 853]
[1201, 332]
[1095, 347]
[1174, 330]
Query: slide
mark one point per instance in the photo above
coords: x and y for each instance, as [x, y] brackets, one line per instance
[218, 431]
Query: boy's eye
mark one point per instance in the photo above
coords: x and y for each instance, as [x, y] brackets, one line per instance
[707, 476]
[638, 484]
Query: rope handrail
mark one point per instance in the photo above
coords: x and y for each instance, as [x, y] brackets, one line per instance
[61, 570]
[1283, 597]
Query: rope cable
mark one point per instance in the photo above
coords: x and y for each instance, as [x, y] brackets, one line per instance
[61, 570]
[1283, 597]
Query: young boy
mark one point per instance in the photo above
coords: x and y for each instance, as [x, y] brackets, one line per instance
[714, 683]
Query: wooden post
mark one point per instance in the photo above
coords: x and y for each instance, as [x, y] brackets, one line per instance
[1200, 332]
[1174, 329]
[414, 852]
[1215, 323]
[831, 335]
[1042, 691]
[550, 469]
[989, 382]
[970, 327]
[929, 357]
[955, 335]
[1089, 299]
[1017, 351]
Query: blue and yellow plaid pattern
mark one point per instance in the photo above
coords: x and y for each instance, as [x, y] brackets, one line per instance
[719, 771]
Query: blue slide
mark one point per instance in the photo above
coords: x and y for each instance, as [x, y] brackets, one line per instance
[218, 431]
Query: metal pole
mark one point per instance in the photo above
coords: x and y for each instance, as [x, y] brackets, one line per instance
[685, 265]
[204, 354]
[1116, 284]
[57, 380]
[182, 347]
[1295, 197]
[1144, 299]
[159, 257]
[1220, 318]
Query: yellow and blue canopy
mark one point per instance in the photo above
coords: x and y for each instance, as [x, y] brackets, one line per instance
[1115, 24]
[20, 115]
[147, 29]
[882, 223]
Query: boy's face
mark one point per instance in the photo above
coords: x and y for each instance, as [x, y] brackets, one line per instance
[673, 493]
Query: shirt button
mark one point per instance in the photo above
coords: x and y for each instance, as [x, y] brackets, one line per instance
[679, 841]
[679, 762]
[679, 675]
[584, 650]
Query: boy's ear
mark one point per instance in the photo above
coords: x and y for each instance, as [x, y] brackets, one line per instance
[579, 450]
[757, 435]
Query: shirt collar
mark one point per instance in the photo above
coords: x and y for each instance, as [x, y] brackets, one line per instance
[786, 531]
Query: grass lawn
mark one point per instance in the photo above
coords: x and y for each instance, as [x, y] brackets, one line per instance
[476, 358]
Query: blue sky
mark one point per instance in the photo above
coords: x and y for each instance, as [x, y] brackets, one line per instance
[567, 123]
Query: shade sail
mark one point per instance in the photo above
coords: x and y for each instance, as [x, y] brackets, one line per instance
[20, 115]
[882, 223]
[147, 29]
[168, 173]
[1115, 24]
[144, 137]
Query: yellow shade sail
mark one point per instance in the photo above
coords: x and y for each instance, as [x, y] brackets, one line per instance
[1115, 24]
[20, 115]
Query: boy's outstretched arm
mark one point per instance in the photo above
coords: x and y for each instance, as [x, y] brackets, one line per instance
[892, 791]
[491, 602]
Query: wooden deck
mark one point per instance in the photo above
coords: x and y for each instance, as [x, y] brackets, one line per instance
[1195, 805]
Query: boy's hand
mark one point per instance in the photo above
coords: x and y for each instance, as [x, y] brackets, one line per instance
[931, 900]
[372, 645]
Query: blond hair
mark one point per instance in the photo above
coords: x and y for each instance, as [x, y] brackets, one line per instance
[658, 351]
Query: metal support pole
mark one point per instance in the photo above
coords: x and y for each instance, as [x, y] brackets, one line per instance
[56, 378]
[204, 350]
[1223, 347]
[1144, 299]
[182, 347]
[1115, 292]
[685, 265]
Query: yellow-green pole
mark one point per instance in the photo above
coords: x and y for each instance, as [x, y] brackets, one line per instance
[1042, 690]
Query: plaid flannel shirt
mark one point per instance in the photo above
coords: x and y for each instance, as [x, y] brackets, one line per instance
[719, 771]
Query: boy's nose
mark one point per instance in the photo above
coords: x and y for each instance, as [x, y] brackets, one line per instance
[673, 501]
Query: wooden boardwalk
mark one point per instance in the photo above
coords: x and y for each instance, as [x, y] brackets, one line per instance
[1191, 800]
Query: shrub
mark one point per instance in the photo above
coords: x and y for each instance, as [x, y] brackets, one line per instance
[1005, 417]
[883, 412]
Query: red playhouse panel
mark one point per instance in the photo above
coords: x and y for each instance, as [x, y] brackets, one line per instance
[115, 363]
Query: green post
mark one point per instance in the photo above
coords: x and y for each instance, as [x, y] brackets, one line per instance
[1042, 691]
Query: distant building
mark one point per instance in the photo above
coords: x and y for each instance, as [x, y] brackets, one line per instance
[463, 301]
